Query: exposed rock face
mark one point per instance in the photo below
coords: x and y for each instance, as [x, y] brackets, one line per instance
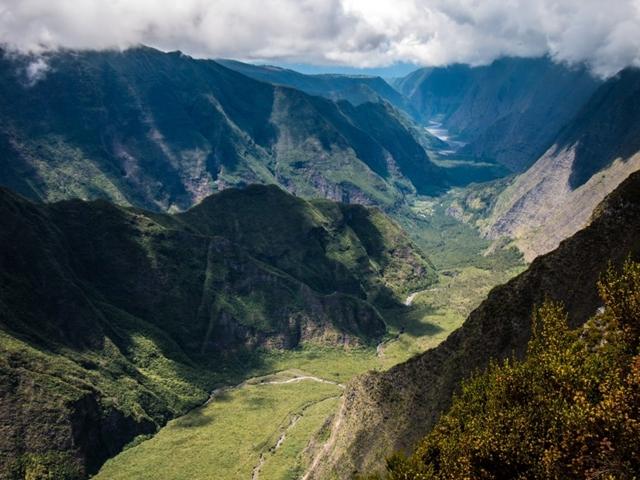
[590, 158]
[509, 111]
[113, 320]
[390, 411]
[541, 209]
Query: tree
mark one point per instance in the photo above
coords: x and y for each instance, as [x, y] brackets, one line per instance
[570, 409]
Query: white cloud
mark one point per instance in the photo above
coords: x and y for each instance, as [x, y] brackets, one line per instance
[363, 33]
[36, 71]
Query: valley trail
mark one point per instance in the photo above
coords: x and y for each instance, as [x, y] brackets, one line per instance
[302, 379]
[264, 380]
[409, 301]
[263, 456]
[276, 379]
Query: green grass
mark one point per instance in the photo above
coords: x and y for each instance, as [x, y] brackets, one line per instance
[287, 462]
[450, 242]
[335, 364]
[439, 310]
[229, 435]
[225, 438]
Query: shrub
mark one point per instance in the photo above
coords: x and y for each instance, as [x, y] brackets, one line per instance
[570, 409]
[50, 465]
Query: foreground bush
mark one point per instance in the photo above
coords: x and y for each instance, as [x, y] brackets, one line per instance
[570, 409]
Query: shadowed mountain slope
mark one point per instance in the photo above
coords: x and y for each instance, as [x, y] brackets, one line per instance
[509, 111]
[356, 89]
[163, 130]
[385, 412]
[589, 158]
[113, 320]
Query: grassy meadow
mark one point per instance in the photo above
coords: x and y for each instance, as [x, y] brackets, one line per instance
[260, 430]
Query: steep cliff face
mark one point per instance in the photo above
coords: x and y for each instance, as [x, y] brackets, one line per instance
[113, 320]
[594, 153]
[509, 111]
[385, 412]
[436, 93]
[163, 130]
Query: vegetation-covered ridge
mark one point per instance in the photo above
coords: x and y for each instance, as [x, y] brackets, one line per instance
[391, 411]
[163, 130]
[569, 410]
[114, 320]
[356, 89]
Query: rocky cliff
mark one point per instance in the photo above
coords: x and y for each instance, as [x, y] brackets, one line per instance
[594, 153]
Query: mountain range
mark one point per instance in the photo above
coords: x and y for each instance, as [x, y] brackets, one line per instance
[508, 111]
[163, 131]
[592, 155]
[165, 220]
[356, 89]
[114, 320]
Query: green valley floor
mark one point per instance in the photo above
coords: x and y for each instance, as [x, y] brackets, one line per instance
[268, 426]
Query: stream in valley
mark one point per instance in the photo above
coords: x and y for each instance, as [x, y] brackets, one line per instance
[441, 133]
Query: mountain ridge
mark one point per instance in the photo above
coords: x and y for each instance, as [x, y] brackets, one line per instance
[114, 320]
[390, 411]
[163, 130]
[356, 89]
[590, 157]
[508, 111]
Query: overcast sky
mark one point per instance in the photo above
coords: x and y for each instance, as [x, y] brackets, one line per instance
[357, 33]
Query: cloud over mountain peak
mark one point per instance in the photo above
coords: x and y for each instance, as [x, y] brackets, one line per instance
[364, 33]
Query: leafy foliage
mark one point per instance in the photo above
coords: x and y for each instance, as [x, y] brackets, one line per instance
[571, 409]
[47, 466]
